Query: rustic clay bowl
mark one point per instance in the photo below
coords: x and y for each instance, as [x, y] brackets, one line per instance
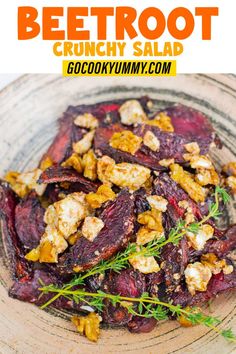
[28, 111]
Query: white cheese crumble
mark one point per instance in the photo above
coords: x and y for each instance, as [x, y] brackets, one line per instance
[199, 239]
[197, 277]
[91, 227]
[157, 202]
[86, 120]
[82, 146]
[131, 112]
[151, 141]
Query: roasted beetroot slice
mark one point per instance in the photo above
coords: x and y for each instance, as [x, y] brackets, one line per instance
[218, 283]
[169, 189]
[128, 282]
[193, 125]
[29, 222]
[141, 325]
[19, 265]
[172, 146]
[57, 174]
[118, 218]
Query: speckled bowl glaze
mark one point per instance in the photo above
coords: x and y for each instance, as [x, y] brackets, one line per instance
[29, 108]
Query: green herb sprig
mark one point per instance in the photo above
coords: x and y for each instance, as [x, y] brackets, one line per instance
[121, 260]
[144, 306]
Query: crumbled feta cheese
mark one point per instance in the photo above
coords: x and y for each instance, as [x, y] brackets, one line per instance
[131, 112]
[145, 265]
[151, 141]
[201, 161]
[197, 277]
[67, 213]
[199, 240]
[129, 175]
[86, 120]
[166, 162]
[83, 145]
[193, 148]
[157, 202]
[91, 227]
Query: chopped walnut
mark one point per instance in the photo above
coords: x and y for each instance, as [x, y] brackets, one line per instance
[151, 219]
[231, 183]
[186, 181]
[104, 168]
[46, 163]
[197, 277]
[199, 239]
[193, 148]
[91, 227]
[157, 202]
[102, 195]
[162, 121]
[145, 235]
[86, 120]
[205, 177]
[90, 165]
[201, 161]
[166, 162]
[88, 325]
[216, 265]
[126, 141]
[33, 255]
[184, 321]
[22, 183]
[129, 175]
[83, 145]
[72, 239]
[151, 141]
[230, 169]
[74, 161]
[131, 112]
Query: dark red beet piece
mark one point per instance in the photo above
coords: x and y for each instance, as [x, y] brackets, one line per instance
[29, 220]
[61, 147]
[193, 125]
[218, 283]
[8, 201]
[130, 283]
[57, 174]
[118, 218]
[141, 325]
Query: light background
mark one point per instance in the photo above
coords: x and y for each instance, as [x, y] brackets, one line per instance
[35, 56]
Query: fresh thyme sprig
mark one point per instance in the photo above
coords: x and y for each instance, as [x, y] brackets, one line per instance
[144, 306]
[121, 260]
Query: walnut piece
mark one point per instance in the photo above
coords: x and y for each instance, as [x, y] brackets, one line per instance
[90, 165]
[230, 169]
[74, 161]
[104, 168]
[216, 265]
[186, 181]
[152, 219]
[126, 141]
[162, 121]
[88, 325]
[145, 235]
[102, 195]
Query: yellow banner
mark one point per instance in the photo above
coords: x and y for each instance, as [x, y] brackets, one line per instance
[119, 67]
